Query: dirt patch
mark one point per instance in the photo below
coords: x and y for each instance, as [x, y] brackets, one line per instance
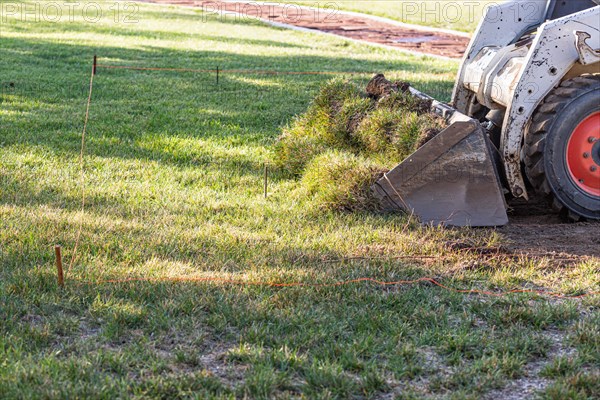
[210, 355]
[214, 360]
[436, 368]
[536, 231]
[531, 382]
[33, 320]
[522, 388]
[379, 87]
[351, 26]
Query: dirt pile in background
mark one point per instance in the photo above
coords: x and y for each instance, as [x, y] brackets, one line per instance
[349, 137]
[326, 19]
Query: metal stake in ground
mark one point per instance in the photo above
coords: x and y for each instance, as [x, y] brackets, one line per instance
[95, 65]
[59, 266]
[217, 75]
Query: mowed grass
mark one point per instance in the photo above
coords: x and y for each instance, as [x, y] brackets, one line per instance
[174, 188]
[461, 15]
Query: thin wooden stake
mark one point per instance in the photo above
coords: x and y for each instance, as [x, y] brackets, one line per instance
[217, 75]
[266, 179]
[59, 266]
[95, 65]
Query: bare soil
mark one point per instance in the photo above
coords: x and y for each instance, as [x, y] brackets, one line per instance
[350, 26]
[537, 231]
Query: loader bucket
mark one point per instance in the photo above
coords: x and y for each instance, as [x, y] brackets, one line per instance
[451, 180]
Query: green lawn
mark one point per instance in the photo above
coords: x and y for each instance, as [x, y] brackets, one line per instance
[173, 184]
[459, 15]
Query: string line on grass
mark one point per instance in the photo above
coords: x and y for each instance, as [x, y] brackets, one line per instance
[429, 280]
[231, 71]
[82, 166]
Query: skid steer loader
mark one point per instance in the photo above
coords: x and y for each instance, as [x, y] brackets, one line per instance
[524, 120]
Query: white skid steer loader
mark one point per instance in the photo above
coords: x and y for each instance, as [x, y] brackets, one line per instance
[524, 120]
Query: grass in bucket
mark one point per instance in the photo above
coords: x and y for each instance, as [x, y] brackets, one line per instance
[349, 137]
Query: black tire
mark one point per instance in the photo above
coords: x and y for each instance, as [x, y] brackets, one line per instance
[551, 128]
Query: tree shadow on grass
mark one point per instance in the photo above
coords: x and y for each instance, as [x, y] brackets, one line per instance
[129, 105]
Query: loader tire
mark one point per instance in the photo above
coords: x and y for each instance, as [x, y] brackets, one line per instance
[562, 148]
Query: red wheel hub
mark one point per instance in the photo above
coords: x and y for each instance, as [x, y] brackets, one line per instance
[583, 155]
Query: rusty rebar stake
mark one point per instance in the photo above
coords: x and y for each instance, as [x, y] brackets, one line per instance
[59, 266]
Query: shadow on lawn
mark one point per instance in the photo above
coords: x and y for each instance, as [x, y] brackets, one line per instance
[129, 105]
[148, 116]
